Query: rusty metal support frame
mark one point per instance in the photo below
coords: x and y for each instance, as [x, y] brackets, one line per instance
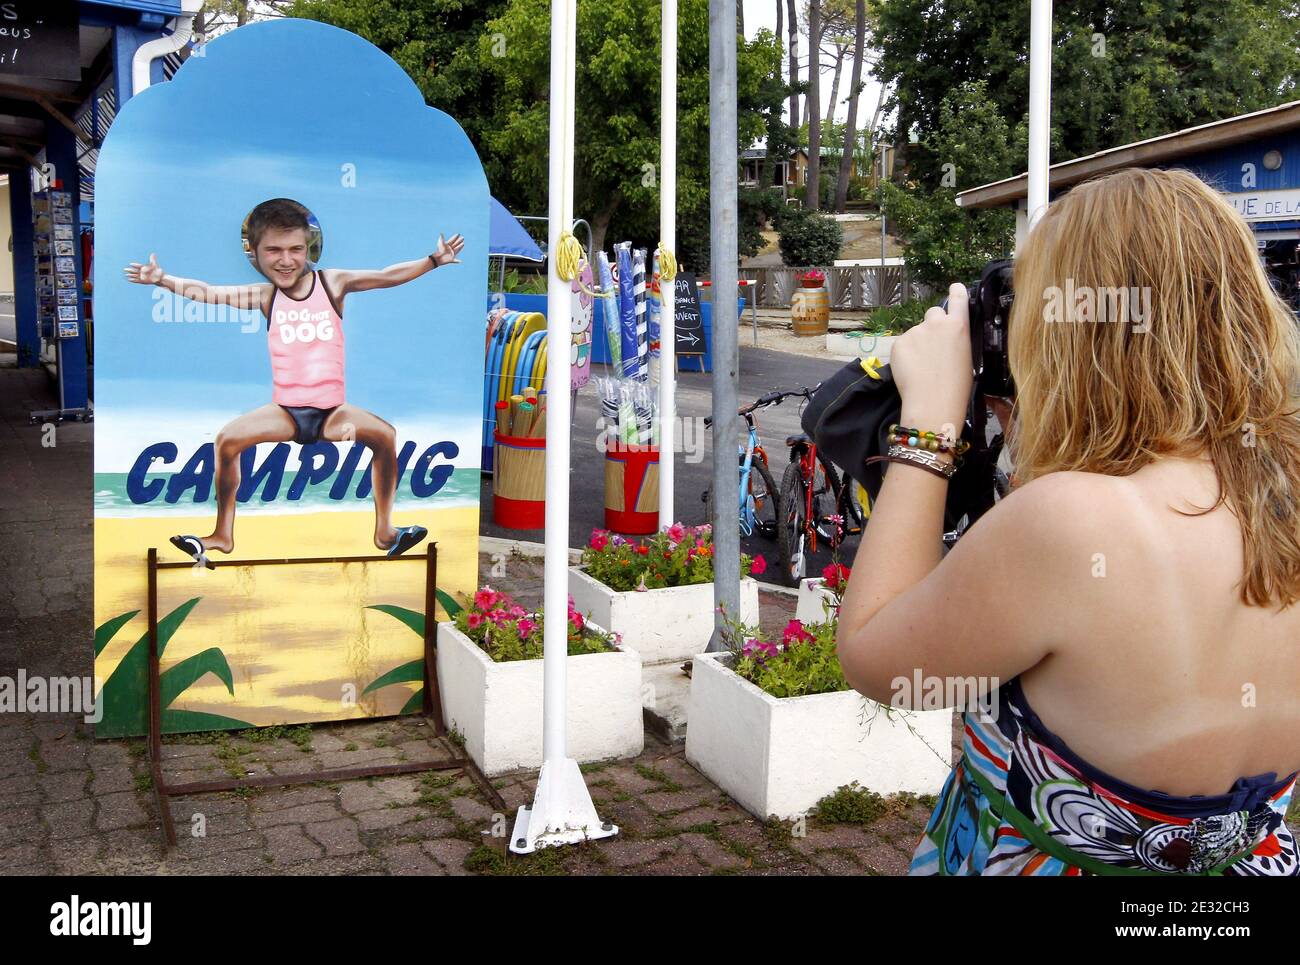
[432, 710]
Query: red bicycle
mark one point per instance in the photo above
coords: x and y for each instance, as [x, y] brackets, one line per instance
[814, 504]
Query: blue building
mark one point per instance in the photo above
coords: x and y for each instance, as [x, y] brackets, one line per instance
[70, 67]
[1254, 159]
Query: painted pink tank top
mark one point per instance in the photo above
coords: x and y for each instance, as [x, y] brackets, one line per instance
[305, 338]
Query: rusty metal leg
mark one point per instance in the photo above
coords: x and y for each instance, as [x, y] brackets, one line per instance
[155, 708]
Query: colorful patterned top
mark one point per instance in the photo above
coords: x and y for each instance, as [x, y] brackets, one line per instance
[1020, 802]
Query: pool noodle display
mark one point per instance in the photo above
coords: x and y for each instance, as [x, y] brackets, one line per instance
[638, 297]
[626, 309]
[609, 310]
[515, 360]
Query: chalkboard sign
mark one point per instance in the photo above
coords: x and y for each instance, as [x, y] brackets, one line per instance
[687, 317]
[39, 38]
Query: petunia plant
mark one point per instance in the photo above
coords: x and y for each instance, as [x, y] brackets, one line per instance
[803, 663]
[506, 631]
[677, 555]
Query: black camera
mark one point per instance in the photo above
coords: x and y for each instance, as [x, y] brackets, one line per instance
[990, 312]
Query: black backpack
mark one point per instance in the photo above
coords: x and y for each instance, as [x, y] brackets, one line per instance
[849, 418]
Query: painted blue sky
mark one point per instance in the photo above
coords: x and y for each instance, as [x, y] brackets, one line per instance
[293, 109]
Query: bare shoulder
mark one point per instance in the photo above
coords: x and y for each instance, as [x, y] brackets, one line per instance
[1059, 533]
[1064, 505]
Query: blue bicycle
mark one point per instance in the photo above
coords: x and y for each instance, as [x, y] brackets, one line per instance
[758, 509]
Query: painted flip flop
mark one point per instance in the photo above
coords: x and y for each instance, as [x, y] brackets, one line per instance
[407, 536]
[193, 546]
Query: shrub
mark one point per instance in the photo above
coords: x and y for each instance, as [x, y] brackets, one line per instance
[808, 238]
[897, 319]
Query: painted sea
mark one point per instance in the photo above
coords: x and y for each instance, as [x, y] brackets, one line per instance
[111, 500]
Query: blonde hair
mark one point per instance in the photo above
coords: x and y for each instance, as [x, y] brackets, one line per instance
[1199, 356]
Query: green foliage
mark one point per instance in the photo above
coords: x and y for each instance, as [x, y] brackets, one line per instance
[897, 319]
[530, 284]
[944, 242]
[507, 632]
[805, 662]
[854, 804]
[851, 804]
[437, 43]
[616, 178]
[808, 238]
[1157, 67]
[124, 698]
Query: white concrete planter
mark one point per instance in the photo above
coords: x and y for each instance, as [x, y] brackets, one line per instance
[814, 599]
[672, 623]
[498, 706]
[780, 756]
[837, 343]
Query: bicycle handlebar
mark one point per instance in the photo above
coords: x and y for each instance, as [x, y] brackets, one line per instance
[769, 399]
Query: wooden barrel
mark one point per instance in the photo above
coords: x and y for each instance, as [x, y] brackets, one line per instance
[810, 309]
[519, 482]
[632, 489]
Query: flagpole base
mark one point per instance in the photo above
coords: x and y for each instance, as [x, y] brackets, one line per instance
[561, 812]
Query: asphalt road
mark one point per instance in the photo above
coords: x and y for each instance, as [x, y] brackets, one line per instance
[761, 370]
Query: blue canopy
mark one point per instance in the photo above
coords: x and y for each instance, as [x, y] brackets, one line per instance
[506, 236]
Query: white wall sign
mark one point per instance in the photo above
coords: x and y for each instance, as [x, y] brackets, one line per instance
[1277, 205]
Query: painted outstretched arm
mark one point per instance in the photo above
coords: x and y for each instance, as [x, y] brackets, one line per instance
[236, 296]
[447, 253]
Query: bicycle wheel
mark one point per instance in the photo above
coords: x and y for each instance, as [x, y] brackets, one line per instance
[827, 503]
[766, 499]
[792, 532]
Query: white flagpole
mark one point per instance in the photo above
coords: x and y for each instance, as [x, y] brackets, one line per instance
[561, 812]
[668, 239]
[1040, 106]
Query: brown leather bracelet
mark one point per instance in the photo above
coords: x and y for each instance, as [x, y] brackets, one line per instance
[907, 462]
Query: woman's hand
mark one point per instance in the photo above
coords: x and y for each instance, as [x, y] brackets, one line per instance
[931, 365]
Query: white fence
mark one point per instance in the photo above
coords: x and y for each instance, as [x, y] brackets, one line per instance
[850, 289]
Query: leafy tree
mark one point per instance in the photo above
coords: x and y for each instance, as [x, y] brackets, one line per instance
[1121, 71]
[616, 178]
[437, 43]
[944, 242]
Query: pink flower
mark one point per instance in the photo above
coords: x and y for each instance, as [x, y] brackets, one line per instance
[497, 616]
[599, 539]
[758, 567]
[485, 597]
[795, 633]
[676, 532]
[516, 612]
[474, 620]
[526, 627]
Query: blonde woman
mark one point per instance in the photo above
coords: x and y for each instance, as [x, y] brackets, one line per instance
[1129, 610]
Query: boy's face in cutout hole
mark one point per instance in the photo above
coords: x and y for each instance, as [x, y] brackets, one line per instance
[282, 256]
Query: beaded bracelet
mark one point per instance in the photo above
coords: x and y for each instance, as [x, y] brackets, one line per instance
[932, 441]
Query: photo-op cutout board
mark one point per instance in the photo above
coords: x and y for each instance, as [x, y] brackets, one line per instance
[369, 353]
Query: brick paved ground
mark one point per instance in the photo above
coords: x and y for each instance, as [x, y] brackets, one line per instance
[71, 804]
